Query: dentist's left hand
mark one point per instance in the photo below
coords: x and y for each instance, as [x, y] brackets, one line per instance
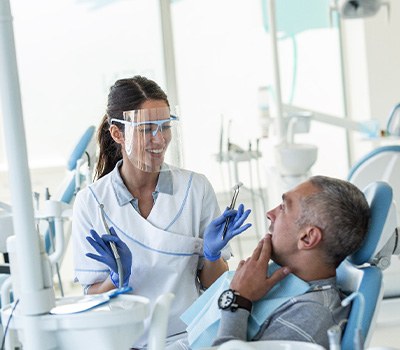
[106, 256]
[213, 242]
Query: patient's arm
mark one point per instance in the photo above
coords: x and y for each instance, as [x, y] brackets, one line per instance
[233, 326]
[252, 282]
[305, 318]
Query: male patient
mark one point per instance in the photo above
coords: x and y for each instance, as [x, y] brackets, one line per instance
[317, 225]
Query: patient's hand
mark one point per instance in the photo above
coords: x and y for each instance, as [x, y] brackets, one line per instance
[250, 279]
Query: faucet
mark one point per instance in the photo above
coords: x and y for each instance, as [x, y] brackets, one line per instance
[298, 123]
[290, 129]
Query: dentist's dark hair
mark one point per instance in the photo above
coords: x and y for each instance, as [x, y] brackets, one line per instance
[124, 95]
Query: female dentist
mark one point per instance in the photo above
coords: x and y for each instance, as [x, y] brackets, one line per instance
[164, 220]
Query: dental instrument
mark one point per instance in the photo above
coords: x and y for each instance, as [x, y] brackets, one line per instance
[335, 337]
[114, 249]
[235, 157]
[75, 304]
[235, 194]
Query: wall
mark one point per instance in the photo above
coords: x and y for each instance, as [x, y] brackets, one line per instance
[372, 54]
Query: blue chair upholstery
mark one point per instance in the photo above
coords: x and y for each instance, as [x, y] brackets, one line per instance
[393, 123]
[85, 149]
[81, 147]
[67, 190]
[358, 272]
[382, 164]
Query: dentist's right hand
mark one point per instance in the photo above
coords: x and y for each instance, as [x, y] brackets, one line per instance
[213, 242]
[106, 256]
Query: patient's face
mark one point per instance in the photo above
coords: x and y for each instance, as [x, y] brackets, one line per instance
[283, 228]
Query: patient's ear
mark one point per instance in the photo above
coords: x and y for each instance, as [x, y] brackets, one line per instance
[310, 237]
[116, 134]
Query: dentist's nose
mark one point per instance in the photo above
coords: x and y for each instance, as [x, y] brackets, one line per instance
[157, 136]
[156, 131]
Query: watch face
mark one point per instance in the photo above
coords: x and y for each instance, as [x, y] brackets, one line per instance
[226, 299]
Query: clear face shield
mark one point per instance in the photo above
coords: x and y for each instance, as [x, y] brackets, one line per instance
[152, 138]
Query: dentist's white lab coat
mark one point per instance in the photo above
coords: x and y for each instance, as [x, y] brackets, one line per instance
[166, 247]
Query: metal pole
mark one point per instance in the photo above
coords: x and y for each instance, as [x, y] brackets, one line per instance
[169, 65]
[169, 54]
[35, 299]
[349, 148]
[275, 72]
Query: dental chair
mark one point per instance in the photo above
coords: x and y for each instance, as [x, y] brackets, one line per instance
[79, 169]
[359, 276]
[79, 172]
[382, 164]
[361, 273]
[56, 216]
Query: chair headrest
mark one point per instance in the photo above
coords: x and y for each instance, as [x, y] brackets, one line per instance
[379, 196]
[80, 147]
[371, 156]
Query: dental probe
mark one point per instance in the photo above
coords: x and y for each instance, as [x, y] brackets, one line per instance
[113, 248]
[232, 206]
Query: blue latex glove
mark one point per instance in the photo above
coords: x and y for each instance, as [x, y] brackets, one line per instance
[106, 256]
[213, 242]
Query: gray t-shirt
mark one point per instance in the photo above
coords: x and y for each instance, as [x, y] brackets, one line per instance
[306, 317]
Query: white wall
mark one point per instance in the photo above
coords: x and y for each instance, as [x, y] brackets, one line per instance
[69, 54]
[222, 59]
[372, 53]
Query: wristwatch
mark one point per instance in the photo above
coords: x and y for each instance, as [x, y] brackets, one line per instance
[230, 299]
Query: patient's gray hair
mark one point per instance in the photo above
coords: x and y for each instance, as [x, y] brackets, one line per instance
[341, 211]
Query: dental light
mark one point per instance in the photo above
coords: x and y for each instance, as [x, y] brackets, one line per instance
[359, 8]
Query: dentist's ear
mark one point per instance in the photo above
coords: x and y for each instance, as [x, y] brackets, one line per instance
[310, 237]
[116, 134]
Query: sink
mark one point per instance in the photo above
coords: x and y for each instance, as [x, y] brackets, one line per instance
[295, 159]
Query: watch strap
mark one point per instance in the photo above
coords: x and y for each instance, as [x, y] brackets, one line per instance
[241, 303]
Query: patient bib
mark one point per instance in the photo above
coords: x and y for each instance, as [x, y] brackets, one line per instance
[203, 316]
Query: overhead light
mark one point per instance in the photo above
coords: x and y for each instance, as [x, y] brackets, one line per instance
[359, 8]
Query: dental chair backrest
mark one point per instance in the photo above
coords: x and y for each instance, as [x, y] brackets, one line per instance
[358, 272]
[83, 155]
[382, 164]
